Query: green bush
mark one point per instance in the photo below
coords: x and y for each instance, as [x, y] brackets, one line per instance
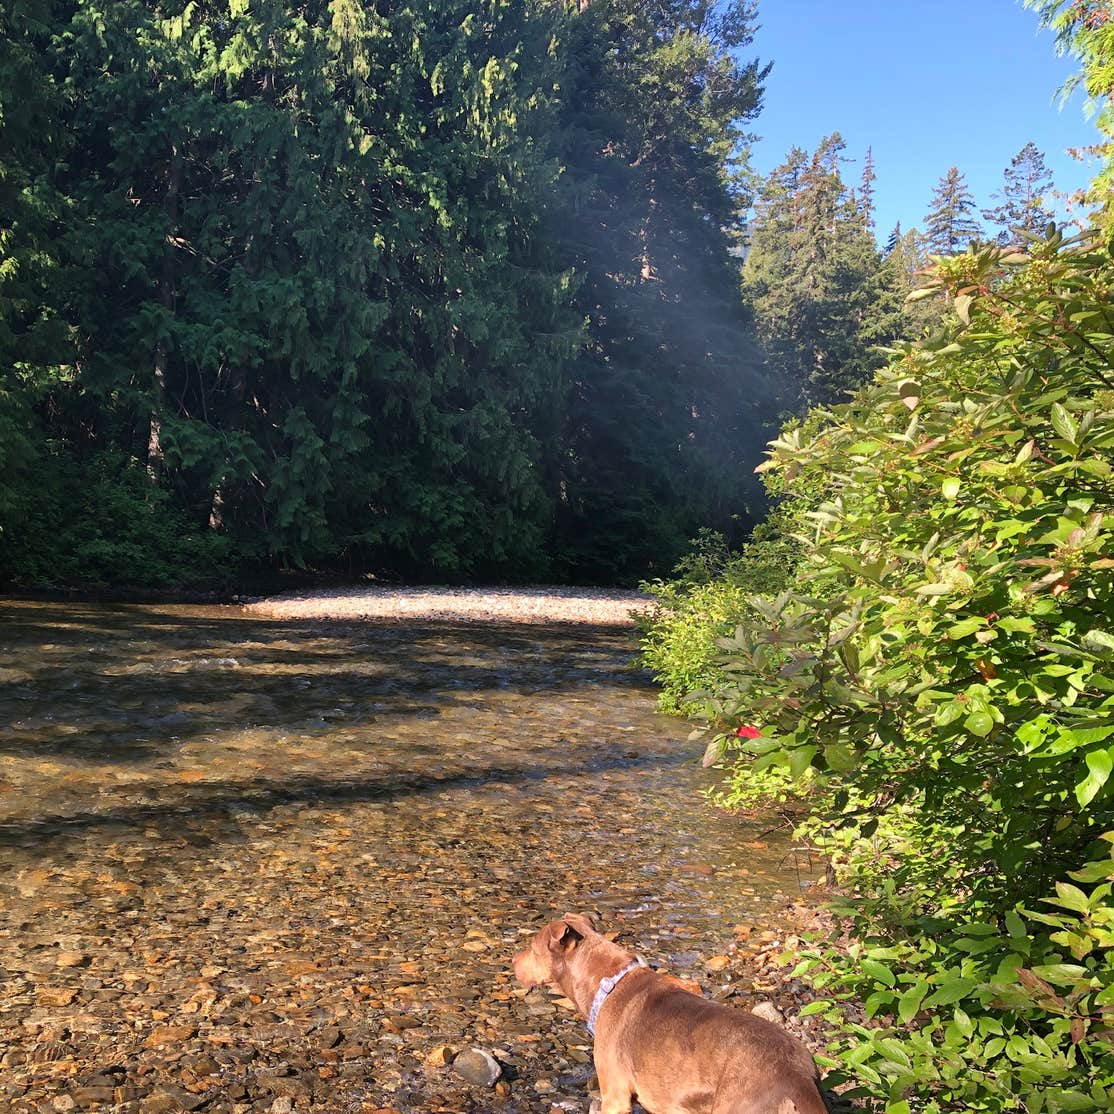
[103, 523]
[706, 601]
[942, 662]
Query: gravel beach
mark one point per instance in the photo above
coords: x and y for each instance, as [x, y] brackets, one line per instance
[592, 606]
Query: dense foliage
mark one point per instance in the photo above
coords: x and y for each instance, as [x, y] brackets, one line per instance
[389, 287]
[1085, 29]
[943, 663]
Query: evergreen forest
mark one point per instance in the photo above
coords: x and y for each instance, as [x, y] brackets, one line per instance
[445, 291]
[427, 289]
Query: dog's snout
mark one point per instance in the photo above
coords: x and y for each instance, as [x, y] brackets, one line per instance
[526, 969]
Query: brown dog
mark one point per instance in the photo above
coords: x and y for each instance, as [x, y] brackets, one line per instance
[656, 1041]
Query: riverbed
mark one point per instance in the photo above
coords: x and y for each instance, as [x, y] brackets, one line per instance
[256, 864]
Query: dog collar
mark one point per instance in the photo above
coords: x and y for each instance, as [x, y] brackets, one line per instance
[606, 986]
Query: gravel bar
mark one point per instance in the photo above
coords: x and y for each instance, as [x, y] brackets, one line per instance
[542, 605]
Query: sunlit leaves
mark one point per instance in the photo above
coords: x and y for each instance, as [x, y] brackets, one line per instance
[969, 705]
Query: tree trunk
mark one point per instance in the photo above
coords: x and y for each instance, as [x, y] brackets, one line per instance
[166, 300]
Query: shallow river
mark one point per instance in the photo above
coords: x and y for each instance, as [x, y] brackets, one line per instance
[251, 865]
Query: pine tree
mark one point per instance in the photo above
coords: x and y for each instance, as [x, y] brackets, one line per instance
[1027, 185]
[950, 224]
[666, 413]
[866, 188]
[814, 279]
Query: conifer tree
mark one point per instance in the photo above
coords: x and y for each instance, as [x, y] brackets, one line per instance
[903, 259]
[32, 326]
[1023, 198]
[866, 188]
[814, 279]
[951, 224]
[668, 394]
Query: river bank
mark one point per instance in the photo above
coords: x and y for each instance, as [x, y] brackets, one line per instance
[538, 605]
[257, 865]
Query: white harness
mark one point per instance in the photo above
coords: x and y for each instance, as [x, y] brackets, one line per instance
[606, 986]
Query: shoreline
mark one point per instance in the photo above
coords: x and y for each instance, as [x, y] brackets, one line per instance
[541, 605]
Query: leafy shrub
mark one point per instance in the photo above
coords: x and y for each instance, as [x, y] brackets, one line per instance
[943, 660]
[102, 523]
[706, 601]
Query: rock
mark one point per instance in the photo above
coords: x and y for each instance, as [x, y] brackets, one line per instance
[159, 1103]
[89, 1098]
[170, 1100]
[71, 959]
[717, 962]
[477, 1067]
[64, 1103]
[440, 1056]
[282, 1106]
[170, 1034]
[55, 995]
[769, 1012]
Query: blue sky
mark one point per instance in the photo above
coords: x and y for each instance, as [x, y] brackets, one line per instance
[927, 83]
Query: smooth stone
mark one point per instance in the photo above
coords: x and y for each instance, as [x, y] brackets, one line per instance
[478, 1067]
[769, 1012]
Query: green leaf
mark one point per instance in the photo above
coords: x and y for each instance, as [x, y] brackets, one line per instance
[909, 1003]
[1064, 424]
[950, 488]
[1099, 765]
[1069, 897]
[819, 1006]
[800, 758]
[878, 971]
[951, 990]
[966, 626]
[1060, 974]
[979, 723]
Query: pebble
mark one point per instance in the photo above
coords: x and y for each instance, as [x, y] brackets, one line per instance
[478, 1067]
[769, 1012]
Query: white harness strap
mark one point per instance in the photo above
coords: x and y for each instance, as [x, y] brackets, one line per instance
[605, 988]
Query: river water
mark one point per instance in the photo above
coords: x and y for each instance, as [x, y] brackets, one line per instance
[256, 865]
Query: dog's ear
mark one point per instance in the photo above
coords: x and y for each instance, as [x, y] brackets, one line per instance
[566, 933]
[579, 923]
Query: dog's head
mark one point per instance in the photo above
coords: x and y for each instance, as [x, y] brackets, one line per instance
[550, 951]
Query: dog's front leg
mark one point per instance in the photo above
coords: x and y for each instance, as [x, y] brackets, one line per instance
[616, 1096]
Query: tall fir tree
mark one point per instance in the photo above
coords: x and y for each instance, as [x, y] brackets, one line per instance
[815, 282]
[950, 225]
[1023, 200]
[667, 409]
[866, 188]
